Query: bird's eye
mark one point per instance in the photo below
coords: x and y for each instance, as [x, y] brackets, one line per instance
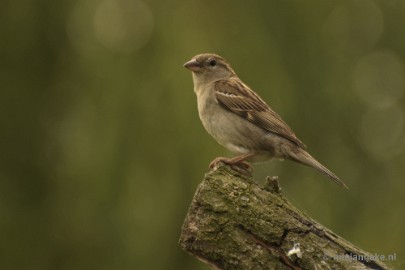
[213, 63]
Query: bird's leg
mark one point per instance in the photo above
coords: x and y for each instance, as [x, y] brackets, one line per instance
[237, 163]
[238, 160]
[241, 158]
[217, 160]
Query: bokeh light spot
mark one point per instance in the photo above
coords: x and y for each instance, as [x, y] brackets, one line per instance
[378, 79]
[123, 25]
[119, 25]
[79, 28]
[381, 131]
[354, 25]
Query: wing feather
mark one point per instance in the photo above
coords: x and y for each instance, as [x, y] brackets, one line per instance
[238, 98]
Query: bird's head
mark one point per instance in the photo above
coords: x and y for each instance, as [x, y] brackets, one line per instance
[209, 67]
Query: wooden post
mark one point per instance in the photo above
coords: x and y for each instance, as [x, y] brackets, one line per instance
[233, 223]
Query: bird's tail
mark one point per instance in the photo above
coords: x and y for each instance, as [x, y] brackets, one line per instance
[305, 158]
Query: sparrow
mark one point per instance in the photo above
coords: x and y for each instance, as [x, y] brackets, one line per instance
[241, 121]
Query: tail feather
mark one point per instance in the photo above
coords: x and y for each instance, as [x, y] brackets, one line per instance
[306, 159]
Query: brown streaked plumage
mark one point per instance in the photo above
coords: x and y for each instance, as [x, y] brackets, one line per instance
[240, 120]
[237, 97]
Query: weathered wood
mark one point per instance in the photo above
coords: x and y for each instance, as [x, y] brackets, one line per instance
[233, 223]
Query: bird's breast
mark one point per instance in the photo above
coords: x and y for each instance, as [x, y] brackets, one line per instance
[228, 129]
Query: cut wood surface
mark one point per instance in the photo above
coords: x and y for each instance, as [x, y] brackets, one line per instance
[234, 223]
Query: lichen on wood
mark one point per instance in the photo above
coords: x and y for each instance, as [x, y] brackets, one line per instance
[234, 223]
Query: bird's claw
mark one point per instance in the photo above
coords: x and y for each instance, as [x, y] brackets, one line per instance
[239, 166]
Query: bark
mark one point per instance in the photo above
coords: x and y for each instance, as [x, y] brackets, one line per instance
[233, 223]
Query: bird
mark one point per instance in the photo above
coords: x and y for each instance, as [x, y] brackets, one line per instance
[241, 121]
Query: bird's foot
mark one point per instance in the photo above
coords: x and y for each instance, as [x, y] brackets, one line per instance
[235, 163]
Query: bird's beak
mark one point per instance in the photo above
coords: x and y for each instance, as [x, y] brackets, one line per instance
[193, 65]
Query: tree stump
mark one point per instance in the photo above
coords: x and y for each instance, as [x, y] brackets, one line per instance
[234, 223]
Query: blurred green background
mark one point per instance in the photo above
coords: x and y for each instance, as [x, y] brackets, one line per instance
[101, 147]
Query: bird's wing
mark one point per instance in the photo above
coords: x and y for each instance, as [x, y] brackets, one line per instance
[238, 98]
